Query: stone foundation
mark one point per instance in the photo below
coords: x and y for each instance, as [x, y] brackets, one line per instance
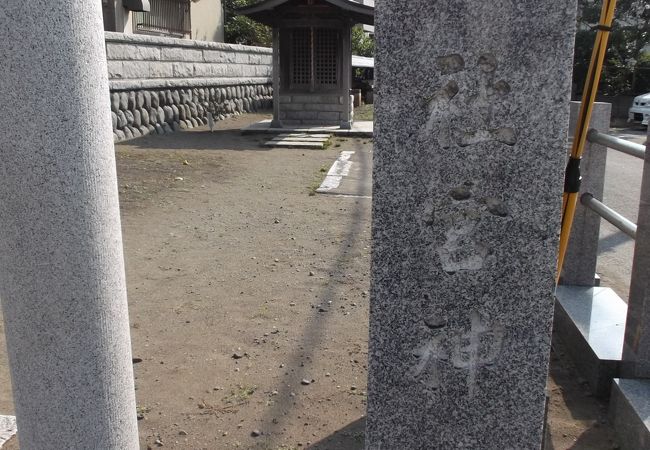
[312, 109]
[141, 112]
[161, 85]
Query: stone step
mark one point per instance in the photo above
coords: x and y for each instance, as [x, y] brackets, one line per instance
[590, 321]
[296, 144]
[629, 410]
[299, 139]
[306, 135]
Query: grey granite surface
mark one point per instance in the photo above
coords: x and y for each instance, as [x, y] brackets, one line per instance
[168, 83]
[599, 314]
[62, 283]
[629, 411]
[590, 322]
[582, 252]
[142, 39]
[470, 144]
[636, 350]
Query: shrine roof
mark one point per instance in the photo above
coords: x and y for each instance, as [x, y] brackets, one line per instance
[267, 11]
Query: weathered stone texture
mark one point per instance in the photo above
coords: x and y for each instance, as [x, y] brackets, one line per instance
[171, 84]
[316, 109]
[470, 146]
[177, 106]
[62, 284]
[134, 57]
[636, 349]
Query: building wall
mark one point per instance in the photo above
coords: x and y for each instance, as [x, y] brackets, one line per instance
[207, 20]
[160, 85]
[116, 17]
[206, 17]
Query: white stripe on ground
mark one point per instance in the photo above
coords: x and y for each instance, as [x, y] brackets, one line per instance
[351, 196]
[339, 169]
[7, 428]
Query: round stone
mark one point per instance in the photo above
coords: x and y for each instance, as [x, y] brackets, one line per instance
[131, 101]
[120, 135]
[124, 101]
[169, 113]
[139, 99]
[129, 117]
[144, 114]
[115, 102]
[147, 99]
[155, 100]
[137, 118]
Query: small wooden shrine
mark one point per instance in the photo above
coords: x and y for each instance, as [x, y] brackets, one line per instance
[312, 69]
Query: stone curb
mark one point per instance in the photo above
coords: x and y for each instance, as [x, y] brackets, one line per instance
[126, 85]
[186, 43]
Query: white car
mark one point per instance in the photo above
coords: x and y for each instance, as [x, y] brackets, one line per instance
[640, 110]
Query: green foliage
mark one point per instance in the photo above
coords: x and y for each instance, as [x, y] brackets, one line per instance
[626, 70]
[241, 29]
[362, 45]
[642, 74]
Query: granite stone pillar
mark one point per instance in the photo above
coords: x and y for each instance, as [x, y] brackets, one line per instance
[62, 282]
[582, 253]
[346, 82]
[636, 347]
[276, 122]
[470, 145]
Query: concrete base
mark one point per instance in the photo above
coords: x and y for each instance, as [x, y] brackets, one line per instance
[350, 175]
[299, 140]
[346, 125]
[629, 410]
[7, 429]
[591, 322]
[359, 129]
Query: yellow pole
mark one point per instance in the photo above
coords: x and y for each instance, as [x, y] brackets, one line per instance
[572, 177]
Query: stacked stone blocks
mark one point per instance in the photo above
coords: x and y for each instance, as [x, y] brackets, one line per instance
[160, 85]
[143, 112]
[312, 109]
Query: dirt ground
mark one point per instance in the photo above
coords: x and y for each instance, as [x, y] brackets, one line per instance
[248, 300]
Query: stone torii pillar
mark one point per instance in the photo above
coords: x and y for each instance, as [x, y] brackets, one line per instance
[470, 146]
[62, 283]
[276, 122]
[636, 348]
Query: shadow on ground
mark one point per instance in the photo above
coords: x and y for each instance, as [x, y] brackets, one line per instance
[203, 140]
[349, 438]
[611, 242]
[576, 419]
[313, 337]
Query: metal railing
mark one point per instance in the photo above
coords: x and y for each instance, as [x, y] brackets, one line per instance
[616, 143]
[622, 223]
[587, 199]
[167, 17]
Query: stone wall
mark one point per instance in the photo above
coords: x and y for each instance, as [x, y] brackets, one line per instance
[160, 85]
[312, 109]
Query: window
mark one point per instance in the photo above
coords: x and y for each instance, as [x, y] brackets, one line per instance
[167, 18]
[326, 57]
[301, 57]
[314, 58]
